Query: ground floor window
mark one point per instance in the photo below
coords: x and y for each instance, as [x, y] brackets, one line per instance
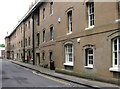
[43, 56]
[69, 54]
[51, 56]
[89, 57]
[116, 52]
[116, 55]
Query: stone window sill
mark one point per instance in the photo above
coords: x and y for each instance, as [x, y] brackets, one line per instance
[89, 67]
[114, 69]
[68, 64]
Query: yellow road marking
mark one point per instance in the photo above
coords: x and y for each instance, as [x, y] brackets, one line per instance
[50, 78]
[22, 67]
[45, 76]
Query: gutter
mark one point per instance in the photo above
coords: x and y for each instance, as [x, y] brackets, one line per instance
[27, 15]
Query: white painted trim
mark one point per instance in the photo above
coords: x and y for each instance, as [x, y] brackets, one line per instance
[89, 67]
[116, 69]
[69, 64]
[69, 33]
[91, 27]
[118, 20]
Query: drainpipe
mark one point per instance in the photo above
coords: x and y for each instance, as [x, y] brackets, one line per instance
[24, 43]
[33, 38]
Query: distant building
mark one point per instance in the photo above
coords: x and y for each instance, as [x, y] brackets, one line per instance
[2, 52]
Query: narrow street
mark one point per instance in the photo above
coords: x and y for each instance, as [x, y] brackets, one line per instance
[16, 76]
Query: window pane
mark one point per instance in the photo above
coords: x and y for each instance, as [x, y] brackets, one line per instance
[70, 55]
[119, 58]
[115, 44]
[119, 43]
[90, 61]
[115, 61]
[115, 56]
[70, 59]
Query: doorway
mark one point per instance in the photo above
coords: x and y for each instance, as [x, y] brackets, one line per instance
[38, 58]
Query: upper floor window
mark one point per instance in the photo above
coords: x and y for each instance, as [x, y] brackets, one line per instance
[51, 33]
[38, 18]
[69, 54]
[29, 41]
[21, 43]
[29, 24]
[21, 29]
[44, 13]
[91, 14]
[26, 42]
[38, 40]
[44, 36]
[51, 8]
[119, 6]
[26, 25]
[43, 56]
[69, 21]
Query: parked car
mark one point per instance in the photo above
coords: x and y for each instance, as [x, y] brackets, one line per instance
[1, 57]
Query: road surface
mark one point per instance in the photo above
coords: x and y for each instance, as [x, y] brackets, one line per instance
[16, 76]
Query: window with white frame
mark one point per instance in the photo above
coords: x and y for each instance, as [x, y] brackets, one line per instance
[29, 24]
[44, 13]
[51, 33]
[26, 42]
[116, 52]
[51, 8]
[119, 6]
[44, 36]
[69, 54]
[91, 14]
[89, 57]
[29, 41]
[38, 18]
[43, 56]
[38, 39]
[69, 21]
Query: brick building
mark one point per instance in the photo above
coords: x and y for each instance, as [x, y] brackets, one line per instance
[81, 37]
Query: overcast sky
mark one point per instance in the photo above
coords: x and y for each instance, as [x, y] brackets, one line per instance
[10, 12]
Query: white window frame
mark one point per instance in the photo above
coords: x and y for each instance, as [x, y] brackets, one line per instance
[69, 22]
[43, 36]
[43, 13]
[67, 57]
[51, 8]
[90, 14]
[38, 39]
[51, 33]
[38, 18]
[87, 54]
[116, 67]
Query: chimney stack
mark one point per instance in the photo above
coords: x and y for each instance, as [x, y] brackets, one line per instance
[30, 6]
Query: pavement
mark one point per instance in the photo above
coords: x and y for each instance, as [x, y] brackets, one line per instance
[73, 79]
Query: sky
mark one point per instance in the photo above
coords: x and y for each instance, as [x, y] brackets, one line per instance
[11, 11]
